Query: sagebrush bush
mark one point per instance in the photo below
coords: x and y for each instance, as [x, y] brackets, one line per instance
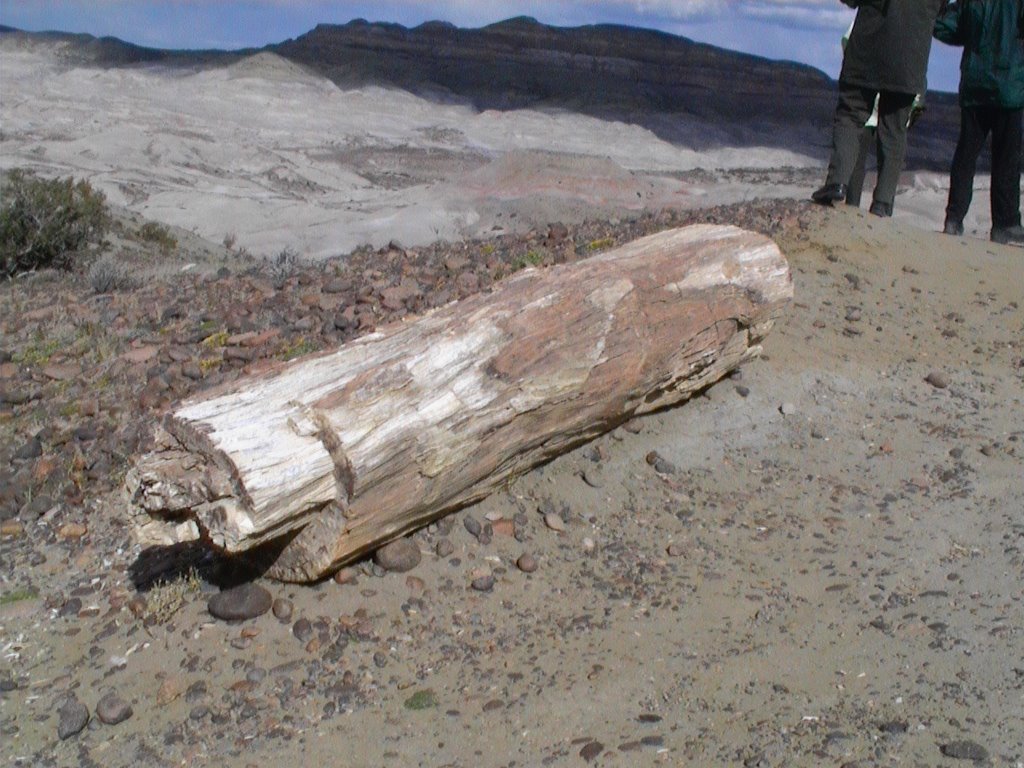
[47, 222]
[106, 275]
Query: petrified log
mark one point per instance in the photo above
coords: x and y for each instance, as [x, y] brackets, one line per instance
[335, 454]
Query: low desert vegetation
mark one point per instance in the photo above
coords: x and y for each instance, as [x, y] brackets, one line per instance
[158, 234]
[108, 274]
[48, 223]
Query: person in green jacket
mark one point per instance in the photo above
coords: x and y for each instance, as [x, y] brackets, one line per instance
[991, 102]
[887, 58]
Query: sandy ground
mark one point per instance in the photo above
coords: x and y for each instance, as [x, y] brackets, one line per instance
[827, 570]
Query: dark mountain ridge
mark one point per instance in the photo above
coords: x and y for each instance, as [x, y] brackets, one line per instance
[689, 93]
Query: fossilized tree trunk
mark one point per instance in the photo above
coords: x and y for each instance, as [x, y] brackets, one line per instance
[343, 451]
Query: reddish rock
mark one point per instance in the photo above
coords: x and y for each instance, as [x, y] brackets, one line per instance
[141, 354]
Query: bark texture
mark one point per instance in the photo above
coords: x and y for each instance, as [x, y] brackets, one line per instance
[332, 455]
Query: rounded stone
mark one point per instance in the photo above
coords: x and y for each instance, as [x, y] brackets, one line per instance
[283, 609]
[302, 630]
[527, 563]
[483, 583]
[444, 548]
[243, 602]
[398, 556]
[112, 709]
[554, 522]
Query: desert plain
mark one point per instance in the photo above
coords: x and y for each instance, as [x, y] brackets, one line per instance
[816, 562]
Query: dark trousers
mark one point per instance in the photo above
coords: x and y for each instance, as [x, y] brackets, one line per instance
[852, 111]
[860, 168]
[976, 123]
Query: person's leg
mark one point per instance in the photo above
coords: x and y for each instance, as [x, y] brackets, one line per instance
[852, 111]
[856, 185]
[893, 114]
[965, 161]
[1006, 141]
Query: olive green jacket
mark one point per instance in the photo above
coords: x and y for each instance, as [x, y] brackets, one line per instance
[992, 66]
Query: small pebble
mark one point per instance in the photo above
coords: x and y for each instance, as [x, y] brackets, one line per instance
[664, 467]
[243, 602]
[526, 563]
[787, 409]
[472, 525]
[554, 522]
[965, 750]
[283, 609]
[937, 380]
[346, 576]
[444, 548]
[302, 630]
[483, 583]
[398, 556]
[112, 709]
[591, 750]
[73, 717]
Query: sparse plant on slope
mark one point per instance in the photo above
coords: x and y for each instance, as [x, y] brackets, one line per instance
[107, 274]
[47, 222]
[284, 264]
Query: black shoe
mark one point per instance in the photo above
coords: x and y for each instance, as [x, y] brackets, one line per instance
[1008, 235]
[881, 209]
[830, 193]
[952, 227]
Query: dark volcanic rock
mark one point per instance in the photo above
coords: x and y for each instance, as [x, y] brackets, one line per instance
[244, 602]
[965, 750]
[591, 750]
[73, 717]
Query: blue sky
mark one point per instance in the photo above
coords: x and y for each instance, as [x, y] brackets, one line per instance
[798, 30]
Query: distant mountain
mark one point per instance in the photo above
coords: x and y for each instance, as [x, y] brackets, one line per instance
[686, 92]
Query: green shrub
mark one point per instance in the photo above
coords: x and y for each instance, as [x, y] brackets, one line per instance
[158, 234]
[47, 222]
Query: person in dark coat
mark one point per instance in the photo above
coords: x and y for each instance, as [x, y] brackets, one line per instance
[887, 59]
[991, 102]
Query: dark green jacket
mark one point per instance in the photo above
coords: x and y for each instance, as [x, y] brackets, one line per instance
[992, 67]
[889, 45]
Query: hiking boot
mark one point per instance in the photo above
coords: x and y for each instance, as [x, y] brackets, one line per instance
[881, 209]
[1008, 235]
[953, 227]
[830, 193]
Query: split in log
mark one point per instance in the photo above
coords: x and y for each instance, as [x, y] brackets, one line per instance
[335, 454]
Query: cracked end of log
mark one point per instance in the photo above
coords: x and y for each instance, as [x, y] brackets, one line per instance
[179, 496]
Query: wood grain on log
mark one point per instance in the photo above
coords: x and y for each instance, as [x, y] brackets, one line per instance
[346, 450]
